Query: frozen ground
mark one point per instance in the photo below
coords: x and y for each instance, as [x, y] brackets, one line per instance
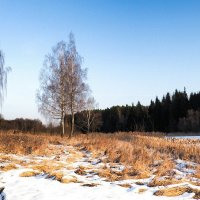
[188, 137]
[79, 180]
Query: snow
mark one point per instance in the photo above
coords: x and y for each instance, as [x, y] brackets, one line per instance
[42, 188]
[185, 137]
[37, 188]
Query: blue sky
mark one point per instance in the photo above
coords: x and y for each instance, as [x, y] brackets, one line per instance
[133, 49]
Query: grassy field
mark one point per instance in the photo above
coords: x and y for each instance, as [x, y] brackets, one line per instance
[139, 150]
[143, 156]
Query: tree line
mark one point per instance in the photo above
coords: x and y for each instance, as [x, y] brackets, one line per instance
[173, 113]
[19, 125]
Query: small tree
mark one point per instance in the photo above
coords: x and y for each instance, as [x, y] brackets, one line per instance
[90, 114]
[90, 118]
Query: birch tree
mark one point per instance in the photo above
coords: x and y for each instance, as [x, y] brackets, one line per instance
[63, 89]
[90, 115]
[52, 94]
[88, 119]
[77, 89]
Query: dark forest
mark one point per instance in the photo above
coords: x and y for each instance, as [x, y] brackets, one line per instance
[177, 112]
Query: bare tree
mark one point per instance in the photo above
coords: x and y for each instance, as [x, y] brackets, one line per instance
[90, 115]
[52, 94]
[75, 78]
[86, 118]
[63, 90]
[3, 77]
[90, 118]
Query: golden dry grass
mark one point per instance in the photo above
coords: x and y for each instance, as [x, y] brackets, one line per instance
[165, 168]
[8, 167]
[29, 174]
[58, 175]
[196, 183]
[120, 147]
[80, 171]
[142, 190]
[22, 143]
[125, 185]
[47, 167]
[69, 179]
[138, 151]
[109, 175]
[163, 182]
[197, 173]
[74, 156]
[177, 191]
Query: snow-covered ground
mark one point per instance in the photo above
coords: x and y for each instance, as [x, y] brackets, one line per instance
[86, 184]
[173, 135]
[188, 137]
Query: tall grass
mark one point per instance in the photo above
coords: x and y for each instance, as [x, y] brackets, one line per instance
[141, 151]
[131, 147]
[23, 143]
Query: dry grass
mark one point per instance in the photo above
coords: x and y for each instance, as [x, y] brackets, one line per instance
[6, 158]
[90, 184]
[74, 156]
[163, 182]
[57, 175]
[142, 190]
[120, 147]
[22, 143]
[51, 172]
[177, 191]
[8, 167]
[125, 185]
[69, 179]
[29, 174]
[166, 168]
[47, 167]
[140, 151]
[26, 143]
[139, 183]
[136, 150]
[109, 175]
[195, 183]
[137, 171]
[81, 171]
[197, 173]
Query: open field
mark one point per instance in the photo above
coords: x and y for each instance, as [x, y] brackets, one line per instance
[99, 166]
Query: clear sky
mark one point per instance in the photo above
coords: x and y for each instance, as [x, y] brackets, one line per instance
[133, 49]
